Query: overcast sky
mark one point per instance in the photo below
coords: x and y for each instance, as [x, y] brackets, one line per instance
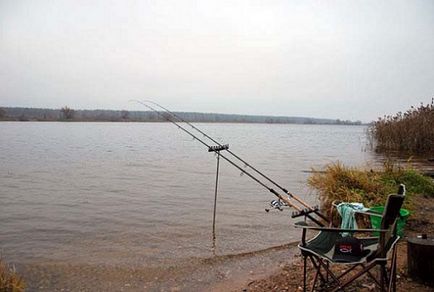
[338, 59]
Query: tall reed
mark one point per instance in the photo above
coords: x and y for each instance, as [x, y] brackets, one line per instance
[412, 131]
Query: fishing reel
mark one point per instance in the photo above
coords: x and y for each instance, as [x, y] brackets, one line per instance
[276, 205]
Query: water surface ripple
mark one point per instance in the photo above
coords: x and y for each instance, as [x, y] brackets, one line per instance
[141, 194]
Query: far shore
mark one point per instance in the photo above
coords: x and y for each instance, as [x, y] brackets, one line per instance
[151, 122]
[66, 114]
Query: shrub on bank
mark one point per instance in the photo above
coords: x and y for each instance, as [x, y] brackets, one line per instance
[9, 280]
[412, 131]
[370, 187]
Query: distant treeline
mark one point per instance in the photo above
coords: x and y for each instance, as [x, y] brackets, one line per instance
[68, 114]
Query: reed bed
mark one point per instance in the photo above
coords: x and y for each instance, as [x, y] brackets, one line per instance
[370, 187]
[9, 279]
[412, 131]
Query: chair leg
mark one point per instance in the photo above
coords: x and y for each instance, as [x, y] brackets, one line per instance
[386, 277]
[373, 278]
[353, 278]
[330, 273]
[349, 270]
[315, 279]
[392, 281]
[317, 266]
[394, 275]
[383, 277]
[304, 272]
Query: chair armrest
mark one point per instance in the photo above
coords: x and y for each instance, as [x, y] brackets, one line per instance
[371, 213]
[335, 204]
[330, 229]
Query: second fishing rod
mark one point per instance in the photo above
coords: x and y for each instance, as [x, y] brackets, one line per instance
[306, 212]
[180, 119]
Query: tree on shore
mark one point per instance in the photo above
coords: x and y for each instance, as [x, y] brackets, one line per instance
[2, 113]
[125, 115]
[67, 113]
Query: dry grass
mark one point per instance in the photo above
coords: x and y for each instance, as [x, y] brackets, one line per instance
[370, 187]
[412, 131]
[9, 280]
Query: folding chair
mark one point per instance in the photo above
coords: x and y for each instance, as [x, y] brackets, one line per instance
[320, 250]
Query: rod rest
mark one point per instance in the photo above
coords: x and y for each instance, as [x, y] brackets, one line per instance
[305, 212]
[218, 148]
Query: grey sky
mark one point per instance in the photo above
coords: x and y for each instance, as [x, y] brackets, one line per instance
[338, 59]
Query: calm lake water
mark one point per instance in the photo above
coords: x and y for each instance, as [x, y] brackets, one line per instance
[125, 195]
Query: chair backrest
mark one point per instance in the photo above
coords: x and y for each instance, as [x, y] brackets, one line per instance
[390, 216]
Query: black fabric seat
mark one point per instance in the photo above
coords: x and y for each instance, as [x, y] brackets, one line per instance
[324, 245]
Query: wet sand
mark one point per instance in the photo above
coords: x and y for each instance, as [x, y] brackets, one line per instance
[218, 273]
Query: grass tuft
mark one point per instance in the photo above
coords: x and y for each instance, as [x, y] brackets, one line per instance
[367, 186]
[9, 280]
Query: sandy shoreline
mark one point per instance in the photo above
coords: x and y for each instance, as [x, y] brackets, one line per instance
[218, 273]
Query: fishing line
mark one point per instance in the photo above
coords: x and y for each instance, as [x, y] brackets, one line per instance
[246, 164]
[300, 212]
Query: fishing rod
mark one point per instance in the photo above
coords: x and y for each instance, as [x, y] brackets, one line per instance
[300, 211]
[292, 196]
